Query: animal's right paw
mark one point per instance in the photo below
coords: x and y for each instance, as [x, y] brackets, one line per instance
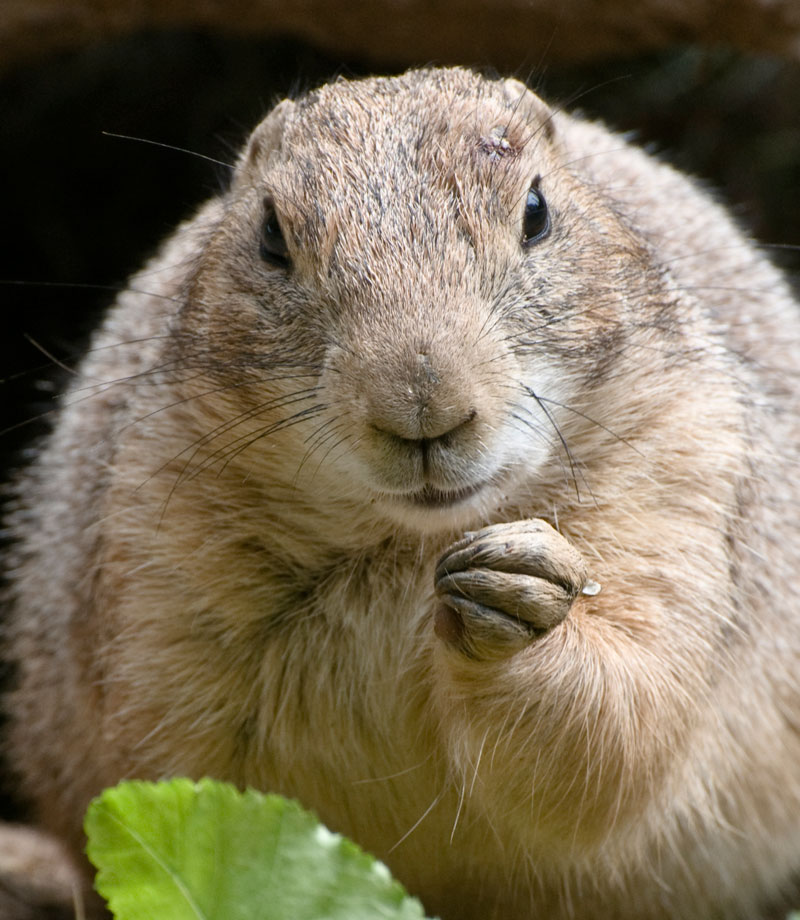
[506, 585]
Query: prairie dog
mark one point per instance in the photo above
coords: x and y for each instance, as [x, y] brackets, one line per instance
[327, 506]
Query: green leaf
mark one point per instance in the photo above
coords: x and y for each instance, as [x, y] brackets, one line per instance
[181, 850]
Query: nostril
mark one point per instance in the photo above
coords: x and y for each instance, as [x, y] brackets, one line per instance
[467, 418]
[423, 427]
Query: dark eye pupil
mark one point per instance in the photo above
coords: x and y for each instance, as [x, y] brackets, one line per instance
[536, 220]
[273, 248]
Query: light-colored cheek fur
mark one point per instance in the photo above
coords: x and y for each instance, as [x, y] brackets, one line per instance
[225, 564]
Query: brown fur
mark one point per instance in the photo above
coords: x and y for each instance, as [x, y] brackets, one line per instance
[223, 569]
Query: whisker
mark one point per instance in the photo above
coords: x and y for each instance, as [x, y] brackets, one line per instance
[146, 140]
[594, 421]
[531, 426]
[204, 394]
[221, 429]
[317, 439]
[277, 426]
[228, 454]
[567, 450]
[276, 403]
[437, 798]
[330, 450]
[50, 357]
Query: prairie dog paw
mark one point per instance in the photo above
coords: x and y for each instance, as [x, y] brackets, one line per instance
[502, 587]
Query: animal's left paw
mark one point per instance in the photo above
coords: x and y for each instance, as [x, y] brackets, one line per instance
[506, 585]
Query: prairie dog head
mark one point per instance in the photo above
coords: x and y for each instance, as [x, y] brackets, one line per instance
[415, 281]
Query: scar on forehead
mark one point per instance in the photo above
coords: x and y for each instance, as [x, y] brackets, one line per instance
[498, 144]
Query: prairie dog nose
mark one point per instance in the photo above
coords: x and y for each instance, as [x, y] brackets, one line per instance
[424, 425]
[427, 405]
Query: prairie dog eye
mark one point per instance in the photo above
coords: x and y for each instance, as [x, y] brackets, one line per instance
[272, 246]
[536, 219]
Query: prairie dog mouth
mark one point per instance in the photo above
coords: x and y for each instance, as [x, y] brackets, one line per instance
[431, 497]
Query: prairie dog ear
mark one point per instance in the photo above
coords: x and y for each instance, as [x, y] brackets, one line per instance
[523, 100]
[267, 136]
